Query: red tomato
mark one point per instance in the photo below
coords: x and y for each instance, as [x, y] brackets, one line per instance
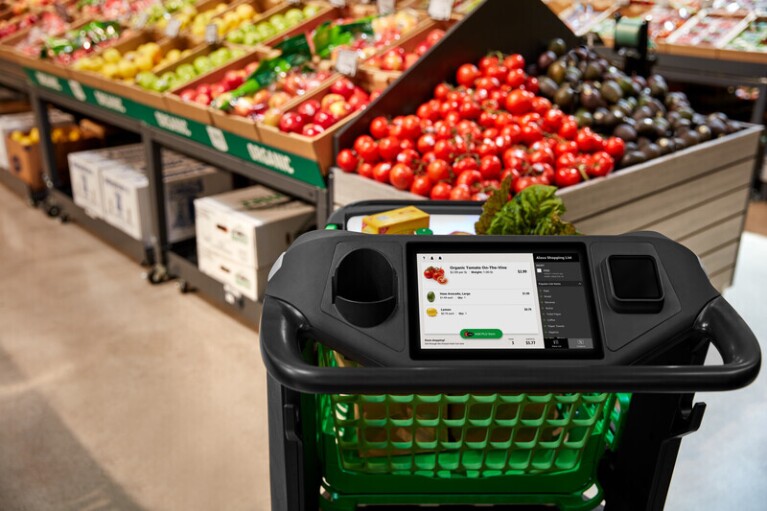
[347, 160]
[541, 105]
[600, 164]
[487, 119]
[515, 61]
[379, 127]
[498, 71]
[588, 141]
[407, 144]
[532, 85]
[519, 102]
[365, 170]
[401, 176]
[531, 133]
[469, 178]
[567, 176]
[429, 111]
[568, 130]
[452, 117]
[552, 120]
[526, 181]
[442, 130]
[438, 170]
[441, 90]
[564, 147]
[445, 150]
[513, 131]
[566, 160]
[366, 148]
[486, 149]
[543, 171]
[490, 167]
[513, 173]
[615, 147]
[487, 61]
[503, 119]
[460, 192]
[426, 143]
[480, 197]
[381, 172]
[466, 75]
[441, 191]
[428, 272]
[389, 148]
[421, 185]
[411, 127]
[470, 110]
[516, 78]
[409, 157]
[542, 155]
[465, 163]
[487, 83]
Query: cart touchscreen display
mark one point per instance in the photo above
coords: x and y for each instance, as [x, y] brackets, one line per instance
[534, 302]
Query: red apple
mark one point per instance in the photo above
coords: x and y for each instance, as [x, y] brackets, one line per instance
[204, 88]
[261, 97]
[233, 79]
[312, 130]
[324, 119]
[422, 48]
[343, 86]
[294, 84]
[251, 67]
[392, 61]
[309, 107]
[359, 99]
[434, 36]
[340, 109]
[217, 89]
[188, 95]
[278, 99]
[329, 99]
[410, 59]
[272, 117]
[203, 99]
[292, 122]
[243, 106]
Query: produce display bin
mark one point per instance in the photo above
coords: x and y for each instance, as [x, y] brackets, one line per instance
[344, 434]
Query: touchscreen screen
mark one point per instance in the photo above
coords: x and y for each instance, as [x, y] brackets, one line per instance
[502, 301]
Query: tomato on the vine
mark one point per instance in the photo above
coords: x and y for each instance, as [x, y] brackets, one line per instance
[588, 141]
[381, 172]
[600, 164]
[438, 170]
[487, 61]
[409, 157]
[526, 181]
[531, 133]
[445, 149]
[490, 167]
[388, 148]
[401, 176]
[422, 185]
[567, 176]
[347, 160]
[552, 120]
[365, 170]
[426, 143]
[519, 102]
[516, 78]
[469, 178]
[564, 147]
[542, 155]
[514, 61]
[467, 74]
[568, 130]
[460, 192]
[366, 148]
[465, 163]
[441, 91]
[615, 147]
[441, 191]
[541, 105]
[480, 196]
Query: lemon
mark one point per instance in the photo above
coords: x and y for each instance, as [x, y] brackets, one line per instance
[34, 134]
[144, 63]
[173, 55]
[109, 70]
[111, 55]
[126, 69]
[431, 312]
[74, 135]
[245, 11]
[16, 136]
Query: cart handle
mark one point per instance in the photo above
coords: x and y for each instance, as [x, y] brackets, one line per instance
[283, 327]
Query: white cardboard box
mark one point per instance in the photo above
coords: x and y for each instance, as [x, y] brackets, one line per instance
[24, 122]
[126, 202]
[252, 226]
[237, 278]
[86, 168]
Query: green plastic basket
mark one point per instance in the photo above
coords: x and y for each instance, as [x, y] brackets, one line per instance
[539, 447]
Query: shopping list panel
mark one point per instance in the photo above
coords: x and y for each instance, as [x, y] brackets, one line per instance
[478, 301]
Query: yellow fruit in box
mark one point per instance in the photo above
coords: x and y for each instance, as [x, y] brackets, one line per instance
[220, 7]
[173, 55]
[143, 63]
[96, 63]
[126, 69]
[109, 70]
[26, 142]
[74, 135]
[185, 53]
[131, 55]
[57, 135]
[34, 135]
[111, 56]
[16, 136]
[245, 11]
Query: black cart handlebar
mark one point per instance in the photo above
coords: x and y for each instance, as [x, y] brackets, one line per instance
[283, 328]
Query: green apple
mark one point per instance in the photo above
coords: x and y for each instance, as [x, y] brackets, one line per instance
[311, 10]
[278, 21]
[294, 17]
[235, 36]
[252, 39]
[220, 56]
[146, 80]
[265, 30]
[202, 64]
[186, 72]
[237, 53]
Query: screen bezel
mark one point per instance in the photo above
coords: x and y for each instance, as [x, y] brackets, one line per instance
[413, 309]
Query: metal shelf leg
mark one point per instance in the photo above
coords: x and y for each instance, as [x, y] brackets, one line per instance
[160, 246]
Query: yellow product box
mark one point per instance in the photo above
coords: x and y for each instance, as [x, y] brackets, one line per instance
[397, 221]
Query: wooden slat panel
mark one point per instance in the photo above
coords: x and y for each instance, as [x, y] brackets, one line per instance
[350, 188]
[720, 258]
[640, 180]
[680, 225]
[714, 235]
[722, 279]
[634, 215]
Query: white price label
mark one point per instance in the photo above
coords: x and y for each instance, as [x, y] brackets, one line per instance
[346, 62]
[141, 20]
[211, 33]
[386, 7]
[174, 25]
[338, 3]
[440, 9]
[217, 139]
[77, 90]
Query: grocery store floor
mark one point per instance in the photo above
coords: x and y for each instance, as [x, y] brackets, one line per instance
[116, 395]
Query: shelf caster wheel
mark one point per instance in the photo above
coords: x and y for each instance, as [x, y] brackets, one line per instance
[184, 287]
[156, 275]
[64, 218]
[53, 211]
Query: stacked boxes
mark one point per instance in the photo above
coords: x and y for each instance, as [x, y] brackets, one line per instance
[111, 184]
[240, 234]
[24, 122]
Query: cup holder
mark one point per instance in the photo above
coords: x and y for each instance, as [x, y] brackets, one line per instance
[364, 288]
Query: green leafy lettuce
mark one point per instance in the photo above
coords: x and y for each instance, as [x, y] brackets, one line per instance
[536, 210]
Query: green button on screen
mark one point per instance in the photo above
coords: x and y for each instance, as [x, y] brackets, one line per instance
[484, 333]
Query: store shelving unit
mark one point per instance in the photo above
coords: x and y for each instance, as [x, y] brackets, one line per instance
[168, 261]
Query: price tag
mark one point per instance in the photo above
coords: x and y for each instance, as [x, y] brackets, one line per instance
[217, 139]
[346, 62]
[386, 7]
[141, 20]
[338, 3]
[440, 9]
[77, 90]
[211, 33]
[174, 25]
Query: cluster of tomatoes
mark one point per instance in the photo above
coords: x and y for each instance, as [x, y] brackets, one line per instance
[437, 274]
[464, 141]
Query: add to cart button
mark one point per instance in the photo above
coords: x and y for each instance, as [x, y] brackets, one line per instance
[483, 333]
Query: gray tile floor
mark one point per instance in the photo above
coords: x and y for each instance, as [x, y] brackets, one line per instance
[116, 395]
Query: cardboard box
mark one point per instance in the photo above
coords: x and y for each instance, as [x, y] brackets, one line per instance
[25, 122]
[126, 200]
[236, 277]
[251, 226]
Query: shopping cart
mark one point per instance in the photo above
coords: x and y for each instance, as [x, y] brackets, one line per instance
[403, 429]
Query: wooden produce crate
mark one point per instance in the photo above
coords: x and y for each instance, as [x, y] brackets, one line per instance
[677, 43]
[728, 52]
[319, 148]
[697, 196]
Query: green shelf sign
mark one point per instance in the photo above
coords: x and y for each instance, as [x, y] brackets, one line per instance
[276, 160]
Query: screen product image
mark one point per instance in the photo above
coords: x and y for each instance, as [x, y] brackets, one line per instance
[502, 302]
